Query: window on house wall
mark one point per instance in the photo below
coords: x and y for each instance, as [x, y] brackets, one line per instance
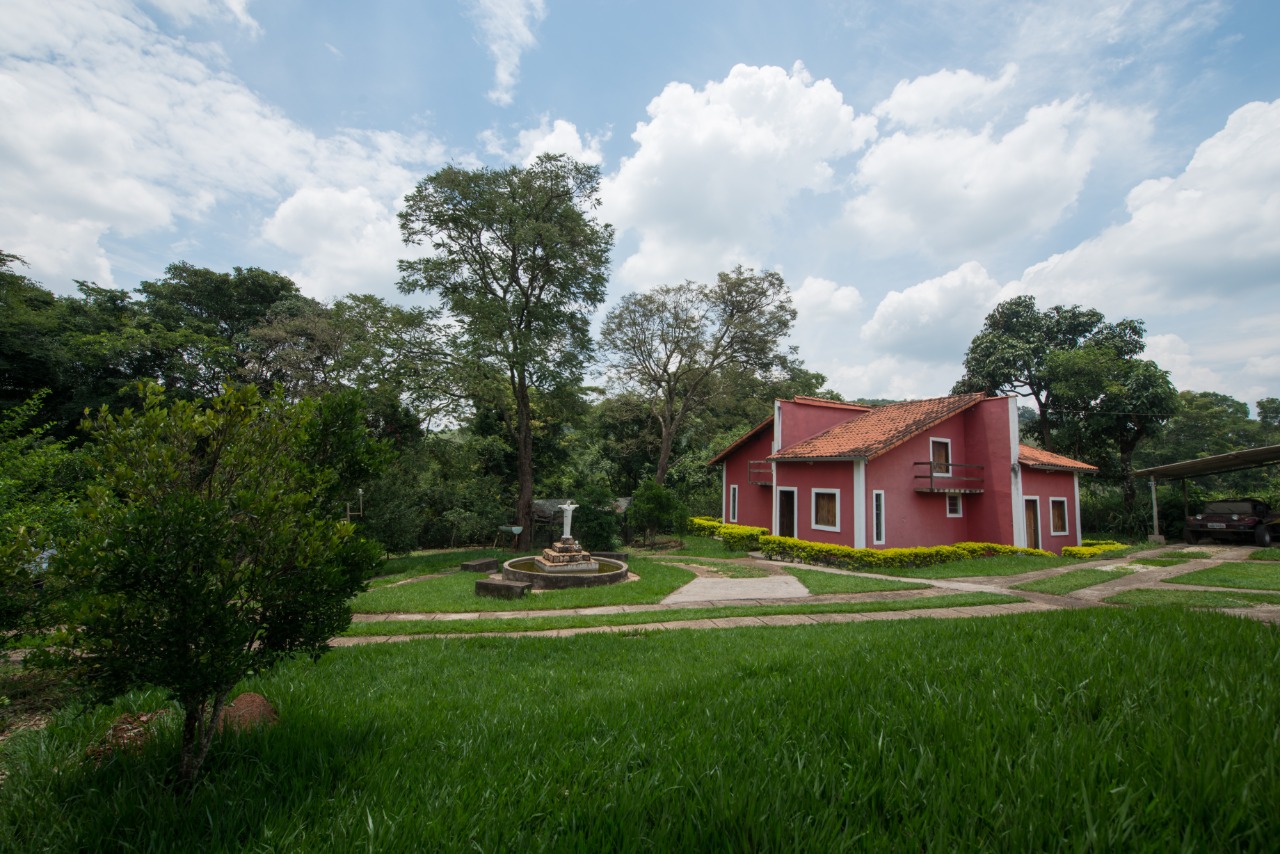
[940, 457]
[1058, 516]
[877, 511]
[955, 505]
[733, 503]
[826, 509]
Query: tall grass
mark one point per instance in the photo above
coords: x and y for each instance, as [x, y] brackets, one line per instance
[1150, 729]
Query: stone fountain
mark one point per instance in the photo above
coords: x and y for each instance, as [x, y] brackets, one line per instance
[565, 564]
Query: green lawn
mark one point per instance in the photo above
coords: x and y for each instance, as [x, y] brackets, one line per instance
[1160, 561]
[675, 615]
[1103, 729]
[1076, 579]
[428, 563]
[819, 582]
[1194, 598]
[1247, 576]
[997, 565]
[1272, 553]
[700, 547]
[457, 593]
[724, 568]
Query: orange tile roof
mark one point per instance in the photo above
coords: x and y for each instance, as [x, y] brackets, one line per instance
[882, 429]
[1038, 458]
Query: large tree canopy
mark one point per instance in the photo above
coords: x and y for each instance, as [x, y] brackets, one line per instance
[676, 345]
[1011, 354]
[520, 263]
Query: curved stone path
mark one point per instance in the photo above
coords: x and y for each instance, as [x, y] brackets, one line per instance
[708, 590]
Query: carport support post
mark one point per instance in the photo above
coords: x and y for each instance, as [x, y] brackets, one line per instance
[1155, 512]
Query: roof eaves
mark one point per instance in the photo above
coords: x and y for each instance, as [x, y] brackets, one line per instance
[741, 440]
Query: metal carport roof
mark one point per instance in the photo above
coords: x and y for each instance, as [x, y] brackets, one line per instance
[1249, 458]
[1234, 461]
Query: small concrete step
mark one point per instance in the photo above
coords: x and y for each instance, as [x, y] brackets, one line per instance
[501, 588]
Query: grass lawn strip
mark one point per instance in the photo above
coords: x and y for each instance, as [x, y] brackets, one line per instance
[1076, 579]
[820, 583]
[457, 593]
[1245, 576]
[430, 563]
[725, 569]
[1272, 553]
[1160, 561]
[674, 615]
[1105, 728]
[697, 547]
[1193, 598]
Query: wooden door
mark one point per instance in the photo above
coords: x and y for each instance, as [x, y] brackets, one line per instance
[1032, 521]
[786, 512]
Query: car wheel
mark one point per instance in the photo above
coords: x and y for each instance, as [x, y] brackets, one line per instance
[1262, 536]
[1191, 537]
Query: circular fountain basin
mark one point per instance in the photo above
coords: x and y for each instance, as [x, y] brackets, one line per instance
[610, 571]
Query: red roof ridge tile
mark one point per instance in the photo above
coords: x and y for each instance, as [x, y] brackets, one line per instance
[1040, 458]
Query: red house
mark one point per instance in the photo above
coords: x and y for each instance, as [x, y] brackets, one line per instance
[918, 473]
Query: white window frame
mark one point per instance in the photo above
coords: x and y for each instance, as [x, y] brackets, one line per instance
[879, 526]
[1066, 519]
[813, 510]
[950, 460]
[733, 503]
[959, 499]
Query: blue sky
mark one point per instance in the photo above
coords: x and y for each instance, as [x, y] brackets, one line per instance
[905, 166]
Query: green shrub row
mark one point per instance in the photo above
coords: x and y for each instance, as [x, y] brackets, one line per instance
[846, 557]
[1092, 548]
[743, 538]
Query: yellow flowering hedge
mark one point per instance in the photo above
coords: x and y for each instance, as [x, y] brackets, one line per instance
[1092, 548]
[738, 537]
[846, 557]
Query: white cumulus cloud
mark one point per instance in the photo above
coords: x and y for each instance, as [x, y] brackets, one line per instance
[952, 192]
[935, 319]
[936, 98]
[549, 137]
[507, 27]
[716, 166]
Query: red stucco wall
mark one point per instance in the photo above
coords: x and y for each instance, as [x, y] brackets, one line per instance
[1045, 485]
[755, 503]
[802, 421]
[806, 477]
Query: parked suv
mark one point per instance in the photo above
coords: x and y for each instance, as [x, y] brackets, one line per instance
[1236, 519]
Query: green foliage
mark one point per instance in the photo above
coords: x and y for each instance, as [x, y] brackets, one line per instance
[676, 345]
[655, 509]
[737, 537]
[596, 524]
[201, 556]
[520, 264]
[1093, 551]
[883, 560]
[1247, 576]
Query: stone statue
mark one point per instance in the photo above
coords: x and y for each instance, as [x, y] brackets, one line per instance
[568, 516]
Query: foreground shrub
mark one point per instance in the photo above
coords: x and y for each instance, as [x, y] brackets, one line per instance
[202, 555]
[1093, 548]
[742, 538]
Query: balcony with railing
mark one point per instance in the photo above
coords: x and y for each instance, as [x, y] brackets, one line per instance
[963, 478]
[760, 472]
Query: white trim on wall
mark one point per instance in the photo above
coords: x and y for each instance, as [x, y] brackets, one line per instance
[859, 504]
[939, 441]
[879, 524]
[795, 511]
[959, 500]
[1015, 478]
[724, 490]
[1075, 484]
[1039, 523]
[1052, 530]
[813, 509]
[733, 504]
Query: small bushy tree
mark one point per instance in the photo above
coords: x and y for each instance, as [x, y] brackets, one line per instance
[202, 555]
[655, 508]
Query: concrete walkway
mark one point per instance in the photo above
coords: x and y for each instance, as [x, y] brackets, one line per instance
[709, 590]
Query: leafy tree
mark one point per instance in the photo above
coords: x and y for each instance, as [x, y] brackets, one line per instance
[1269, 414]
[1114, 402]
[202, 557]
[520, 263]
[29, 357]
[670, 345]
[1010, 355]
[655, 508]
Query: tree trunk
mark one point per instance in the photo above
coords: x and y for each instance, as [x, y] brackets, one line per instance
[524, 464]
[664, 453]
[197, 734]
